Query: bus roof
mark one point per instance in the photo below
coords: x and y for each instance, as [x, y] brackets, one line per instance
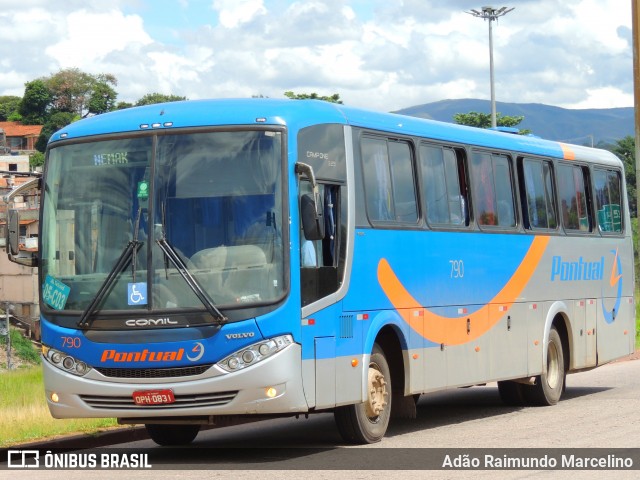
[297, 114]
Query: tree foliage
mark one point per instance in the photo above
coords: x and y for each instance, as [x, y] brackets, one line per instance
[35, 103]
[483, 120]
[9, 106]
[153, 98]
[625, 149]
[335, 98]
[81, 93]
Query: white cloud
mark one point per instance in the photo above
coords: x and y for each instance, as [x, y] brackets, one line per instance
[234, 13]
[89, 37]
[384, 55]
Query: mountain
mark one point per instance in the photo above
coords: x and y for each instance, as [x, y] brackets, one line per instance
[582, 127]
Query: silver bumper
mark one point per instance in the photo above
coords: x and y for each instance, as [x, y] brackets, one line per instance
[212, 393]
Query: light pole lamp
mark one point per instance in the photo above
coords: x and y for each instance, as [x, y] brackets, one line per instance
[491, 14]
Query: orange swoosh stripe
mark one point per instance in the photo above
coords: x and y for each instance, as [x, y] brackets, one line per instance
[453, 331]
[567, 152]
[615, 276]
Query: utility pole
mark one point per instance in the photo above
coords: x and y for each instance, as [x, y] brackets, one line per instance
[635, 19]
[491, 14]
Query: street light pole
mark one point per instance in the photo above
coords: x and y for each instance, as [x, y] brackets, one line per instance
[491, 14]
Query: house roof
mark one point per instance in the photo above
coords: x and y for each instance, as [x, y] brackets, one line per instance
[16, 129]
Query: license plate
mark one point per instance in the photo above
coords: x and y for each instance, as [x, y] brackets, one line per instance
[153, 397]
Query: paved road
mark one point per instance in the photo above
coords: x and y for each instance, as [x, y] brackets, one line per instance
[600, 408]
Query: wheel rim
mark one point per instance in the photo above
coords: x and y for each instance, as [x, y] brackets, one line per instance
[377, 393]
[553, 366]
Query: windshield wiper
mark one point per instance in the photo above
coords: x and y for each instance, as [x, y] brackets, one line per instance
[171, 254]
[129, 254]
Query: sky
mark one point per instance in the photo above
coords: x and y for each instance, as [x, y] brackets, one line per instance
[379, 54]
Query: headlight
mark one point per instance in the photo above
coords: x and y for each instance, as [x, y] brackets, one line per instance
[65, 362]
[254, 353]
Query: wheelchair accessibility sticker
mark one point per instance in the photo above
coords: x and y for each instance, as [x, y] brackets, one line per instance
[137, 293]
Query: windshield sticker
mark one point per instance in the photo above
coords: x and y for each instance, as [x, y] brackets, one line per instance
[137, 293]
[143, 190]
[55, 293]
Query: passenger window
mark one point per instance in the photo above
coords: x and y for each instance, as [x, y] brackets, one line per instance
[389, 181]
[493, 190]
[574, 206]
[608, 190]
[540, 196]
[446, 202]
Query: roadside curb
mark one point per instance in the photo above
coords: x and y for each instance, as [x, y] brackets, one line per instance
[90, 440]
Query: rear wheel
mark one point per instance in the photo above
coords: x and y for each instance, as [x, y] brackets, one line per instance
[367, 422]
[550, 385]
[172, 435]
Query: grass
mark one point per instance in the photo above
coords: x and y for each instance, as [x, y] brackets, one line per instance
[23, 408]
[25, 413]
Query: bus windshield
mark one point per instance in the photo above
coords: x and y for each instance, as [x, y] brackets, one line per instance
[159, 223]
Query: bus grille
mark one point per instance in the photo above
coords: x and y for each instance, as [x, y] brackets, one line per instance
[182, 401]
[153, 372]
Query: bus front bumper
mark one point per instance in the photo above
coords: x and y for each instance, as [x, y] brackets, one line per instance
[273, 386]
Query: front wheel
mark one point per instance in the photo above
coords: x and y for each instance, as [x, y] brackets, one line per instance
[550, 385]
[172, 435]
[367, 422]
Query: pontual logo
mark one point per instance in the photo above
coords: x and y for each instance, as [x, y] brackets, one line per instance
[142, 356]
[579, 270]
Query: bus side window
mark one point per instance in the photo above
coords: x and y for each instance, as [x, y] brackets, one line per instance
[491, 178]
[539, 202]
[608, 200]
[444, 184]
[389, 181]
[574, 205]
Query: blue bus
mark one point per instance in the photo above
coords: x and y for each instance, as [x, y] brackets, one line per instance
[212, 260]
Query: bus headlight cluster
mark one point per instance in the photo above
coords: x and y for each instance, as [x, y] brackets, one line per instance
[65, 361]
[254, 353]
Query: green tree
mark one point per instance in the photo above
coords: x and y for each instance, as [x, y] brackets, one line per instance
[35, 102]
[152, 98]
[625, 149]
[55, 122]
[81, 93]
[335, 98]
[102, 99]
[36, 159]
[483, 120]
[9, 106]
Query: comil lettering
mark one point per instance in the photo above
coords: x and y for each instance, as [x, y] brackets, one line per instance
[577, 270]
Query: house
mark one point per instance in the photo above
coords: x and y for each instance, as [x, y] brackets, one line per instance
[20, 137]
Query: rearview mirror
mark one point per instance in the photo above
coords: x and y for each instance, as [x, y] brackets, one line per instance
[312, 220]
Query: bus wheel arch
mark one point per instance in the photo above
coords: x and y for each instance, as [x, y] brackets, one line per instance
[367, 422]
[550, 384]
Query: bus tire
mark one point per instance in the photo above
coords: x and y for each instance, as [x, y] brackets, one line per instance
[549, 386]
[172, 435]
[511, 393]
[367, 422]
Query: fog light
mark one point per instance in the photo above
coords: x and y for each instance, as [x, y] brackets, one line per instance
[271, 392]
[54, 397]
